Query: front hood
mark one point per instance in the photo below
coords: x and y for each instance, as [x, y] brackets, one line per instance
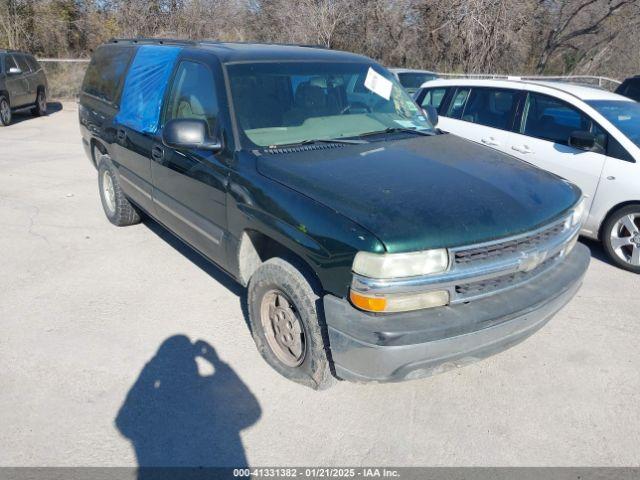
[425, 192]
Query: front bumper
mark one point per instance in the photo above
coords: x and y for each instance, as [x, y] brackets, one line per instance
[395, 347]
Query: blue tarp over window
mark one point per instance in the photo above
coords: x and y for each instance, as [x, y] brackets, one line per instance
[144, 87]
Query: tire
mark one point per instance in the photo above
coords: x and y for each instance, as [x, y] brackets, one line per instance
[621, 237]
[116, 206]
[299, 302]
[40, 110]
[5, 111]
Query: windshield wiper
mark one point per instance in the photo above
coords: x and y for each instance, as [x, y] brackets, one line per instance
[332, 140]
[320, 140]
[399, 129]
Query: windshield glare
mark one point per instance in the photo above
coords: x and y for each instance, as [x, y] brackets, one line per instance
[288, 103]
[624, 115]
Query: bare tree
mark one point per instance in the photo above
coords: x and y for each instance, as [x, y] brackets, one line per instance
[489, 36]
[576, 28]
[15, 22]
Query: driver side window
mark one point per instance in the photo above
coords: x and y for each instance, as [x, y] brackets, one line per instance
[10, 62]
[551, 119]
[193, 95]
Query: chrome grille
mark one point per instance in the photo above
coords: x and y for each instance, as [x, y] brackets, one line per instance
[484, 287]
[485, 269]
[499, 249]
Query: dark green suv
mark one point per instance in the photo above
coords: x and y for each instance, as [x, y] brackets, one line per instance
[372, 246]
[23, 84]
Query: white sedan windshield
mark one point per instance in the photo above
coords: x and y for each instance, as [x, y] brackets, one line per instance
[624, 115]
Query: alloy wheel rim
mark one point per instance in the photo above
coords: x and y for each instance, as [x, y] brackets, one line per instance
[282, 328]
[625, 239]
[109, 192]
[42, 102]
[5, 111]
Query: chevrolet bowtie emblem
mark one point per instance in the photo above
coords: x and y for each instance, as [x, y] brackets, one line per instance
[531, 260]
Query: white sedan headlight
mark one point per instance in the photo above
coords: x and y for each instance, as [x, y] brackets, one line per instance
[399, 265]
[579, 211]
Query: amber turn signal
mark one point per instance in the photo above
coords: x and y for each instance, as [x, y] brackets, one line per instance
[370, 304]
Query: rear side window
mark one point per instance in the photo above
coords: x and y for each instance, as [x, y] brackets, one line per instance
[457, 104]
[22, 63]
[434, 98]
[551, 119]
[33, 63]
[491, 107]
[105, 73]
[193, 94]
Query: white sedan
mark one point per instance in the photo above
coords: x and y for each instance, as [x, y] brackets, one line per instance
[589, 136]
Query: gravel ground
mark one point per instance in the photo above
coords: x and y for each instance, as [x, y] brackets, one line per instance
[120, 346]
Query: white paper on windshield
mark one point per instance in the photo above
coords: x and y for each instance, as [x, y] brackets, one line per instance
[378, 84]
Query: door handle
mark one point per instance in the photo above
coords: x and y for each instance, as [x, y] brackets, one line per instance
[522, 148]
[157, 153]
[490, 141]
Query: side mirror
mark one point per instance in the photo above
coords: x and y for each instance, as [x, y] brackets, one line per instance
[14, 71]
[582, 140]
[432, 114]
[187, 133]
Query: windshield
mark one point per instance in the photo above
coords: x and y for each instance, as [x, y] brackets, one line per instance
[414, 80]
[624, 115]
[288, 103]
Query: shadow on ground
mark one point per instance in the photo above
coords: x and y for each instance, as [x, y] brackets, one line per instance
[201, 262]
[186, 409]
[597, 251]
[25, 115]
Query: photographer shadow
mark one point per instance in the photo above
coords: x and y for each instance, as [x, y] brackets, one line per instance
[176, 416]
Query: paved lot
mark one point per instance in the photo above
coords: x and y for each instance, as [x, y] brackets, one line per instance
[84, 306]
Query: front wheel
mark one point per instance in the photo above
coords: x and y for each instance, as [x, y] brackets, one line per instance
[5, 111]
[286, 324]
[621, 237]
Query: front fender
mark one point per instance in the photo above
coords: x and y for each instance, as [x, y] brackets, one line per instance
[323, 238]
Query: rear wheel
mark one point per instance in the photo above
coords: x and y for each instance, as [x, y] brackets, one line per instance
[286, 325]
[41, 104]
[5, 111]
[621, 237]
[117, 207]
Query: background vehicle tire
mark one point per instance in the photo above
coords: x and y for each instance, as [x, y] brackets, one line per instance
[621, 237]
[118, 209]
[5, 111]
[40, 109]
[286, 324]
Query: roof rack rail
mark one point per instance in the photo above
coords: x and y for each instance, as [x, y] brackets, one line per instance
[307, 45]
[158, 41]
[176, 41]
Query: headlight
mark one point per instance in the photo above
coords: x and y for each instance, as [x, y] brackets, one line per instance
[578, 212]
[398, 265]
[399, 302]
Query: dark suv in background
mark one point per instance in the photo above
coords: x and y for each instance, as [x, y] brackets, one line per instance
[630, 88]
[372, 246]
[23, 84]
